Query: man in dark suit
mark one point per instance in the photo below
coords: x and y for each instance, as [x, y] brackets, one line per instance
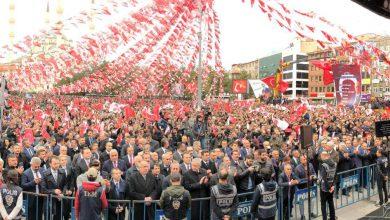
[245, 178]
[105, 155]
[117, 192]
[186, 165]
[114, 162]
[164, 148]
[54, 183]
[288, 181]
[129, 157]
[197, 183]
[83, 162]
[165, 165]
[143, 187]
[246, 149]
[133, 169]
[89, 139]
[70, 184]
[178, 155]
[28, 150]
[32, 182]
[208, 165]
[295, 158]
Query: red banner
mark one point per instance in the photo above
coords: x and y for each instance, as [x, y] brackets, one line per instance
[348, 83]
[239, 86]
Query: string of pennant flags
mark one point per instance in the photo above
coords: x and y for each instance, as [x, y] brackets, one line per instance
[153, 46]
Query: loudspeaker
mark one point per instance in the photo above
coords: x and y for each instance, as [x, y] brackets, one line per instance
[382, 128]
[306, 136]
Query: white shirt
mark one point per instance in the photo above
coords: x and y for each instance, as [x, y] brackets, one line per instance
[36, 175]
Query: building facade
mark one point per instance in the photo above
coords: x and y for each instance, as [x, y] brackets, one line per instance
[269, 65]
[252, 68]
[297, 73]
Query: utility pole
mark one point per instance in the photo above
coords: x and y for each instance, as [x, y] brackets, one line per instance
[199, 95]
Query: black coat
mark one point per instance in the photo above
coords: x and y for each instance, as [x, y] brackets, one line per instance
[191, 183]
[284, 183]
[81, 167]
[116, 194]
[209, 166]
[49, 185]
[28, 184]
[138, 189]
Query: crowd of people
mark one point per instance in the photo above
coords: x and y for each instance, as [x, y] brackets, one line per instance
[115, 148]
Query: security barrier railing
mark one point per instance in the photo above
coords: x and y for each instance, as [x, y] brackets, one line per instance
[351, 186]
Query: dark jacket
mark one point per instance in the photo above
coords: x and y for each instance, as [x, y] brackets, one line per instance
[286, 187]
[223, 200]
[172, 196]
[116, 193]
[109, 165]
[265, 207]
[300, 171]
[209, 166]
[191, 183]
[243, 177]
[28, 184]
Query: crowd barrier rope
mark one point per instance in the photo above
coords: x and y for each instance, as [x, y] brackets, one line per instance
[352, 186]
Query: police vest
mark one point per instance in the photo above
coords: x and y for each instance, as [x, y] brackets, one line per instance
[10, 195]
[267, 203]
[224, 201]
[175, 206]
[90, 204]
[330, 173]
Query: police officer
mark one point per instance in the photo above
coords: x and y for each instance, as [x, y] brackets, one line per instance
[382, 176]
[265, 197]
[175, 200]
[11, 197]
[223, 198]
[90, 198]
[327, 176]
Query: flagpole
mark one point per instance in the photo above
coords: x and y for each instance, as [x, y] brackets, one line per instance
[199, 95]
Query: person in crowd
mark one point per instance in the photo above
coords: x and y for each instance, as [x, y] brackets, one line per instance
[165, 165]
[117, 191]
[102, 176]
[54, 183]
[1, 171]
[245, 178]
[175, 200]
[382, 176]
[264, 202]
[129, 157]
[90, 199]
[32, 182]
[223, 198]
[11, 197]
[214, 178]
[83, 161]
[175, 168]
[301, 172]
[114, 162]
[207, 164]
[288, 180]
[143, 186]
[186, 164]
[263, 162]
[196, 182]
[327, 181]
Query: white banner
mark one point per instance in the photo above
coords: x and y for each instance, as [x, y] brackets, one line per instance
[258, 87]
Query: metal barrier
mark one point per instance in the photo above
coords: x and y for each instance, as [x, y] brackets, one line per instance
[351, 186]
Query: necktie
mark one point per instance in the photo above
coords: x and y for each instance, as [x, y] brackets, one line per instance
[55, 176]
[36, 186]
[117, 189]
[30, 152]
[116, 164]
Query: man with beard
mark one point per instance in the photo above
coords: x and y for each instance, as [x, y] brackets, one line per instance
[263, 162]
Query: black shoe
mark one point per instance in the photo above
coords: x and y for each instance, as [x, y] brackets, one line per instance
[303, 217]
[313, 215]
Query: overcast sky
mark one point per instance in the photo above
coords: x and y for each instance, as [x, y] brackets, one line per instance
[246, 33]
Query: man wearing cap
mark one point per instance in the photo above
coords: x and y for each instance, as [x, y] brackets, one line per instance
[90, 199]
[175, 200]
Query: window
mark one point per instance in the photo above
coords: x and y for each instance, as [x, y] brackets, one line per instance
[302, 58]
[332, 89]
[302, 92]
[316, 89]
[302, 84]
[302, 66]
[288, 58]
[289, 92]
[287, 75]
[301, 75]
[289, 84]
[319, 78]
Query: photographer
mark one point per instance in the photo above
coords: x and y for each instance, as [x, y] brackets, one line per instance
[263, 162]
[201, 127]
[245, 178]
[301, 172]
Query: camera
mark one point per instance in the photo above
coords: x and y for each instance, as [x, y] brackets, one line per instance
[256, 168]
[206, 111]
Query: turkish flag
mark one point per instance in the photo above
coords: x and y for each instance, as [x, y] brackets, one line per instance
[129, 113]
[239, 86]
[270, 81]
[283, 86]
[326, 66]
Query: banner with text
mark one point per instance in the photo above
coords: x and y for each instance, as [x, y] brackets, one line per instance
[258, 86]
[348, 84]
